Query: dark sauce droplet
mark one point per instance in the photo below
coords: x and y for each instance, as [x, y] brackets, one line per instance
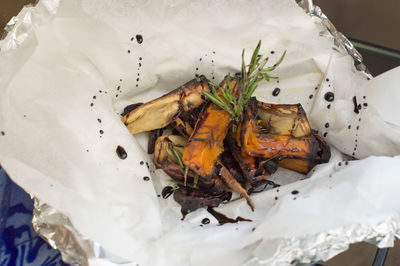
[101, 131]
[349, 127]
[99, 120]
[129, 51]
[141, 163]
[205, 221]
[140, 58]
[346, 163]
[272, 52]
[295, 192]
[3, 133]
[276, 198]
[166, 192]
[132, 39]
[91, 104]
[139, 38]
[121, 152]
[327, 80]
[325, 134]
[146, 178]
[365, 104]
[94, 97]
[340, 164]
[329, 96]
[311, 96]
[276, 92]
[327, 125]
[355, 105]
[358, 127]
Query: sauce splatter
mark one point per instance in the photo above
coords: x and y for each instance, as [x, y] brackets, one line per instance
[329, 96]
[276, 92]
[139, 38]
[121, 152]
[167, 191]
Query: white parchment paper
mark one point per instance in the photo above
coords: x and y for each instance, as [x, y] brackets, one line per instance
[70, 67]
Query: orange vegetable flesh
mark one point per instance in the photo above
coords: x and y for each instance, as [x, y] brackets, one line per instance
[271, 145]
[298, 165]
[206, 142]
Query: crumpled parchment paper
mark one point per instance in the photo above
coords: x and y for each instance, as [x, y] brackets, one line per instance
[70, 67]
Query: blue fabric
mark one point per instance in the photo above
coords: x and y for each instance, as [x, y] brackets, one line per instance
[19, 243]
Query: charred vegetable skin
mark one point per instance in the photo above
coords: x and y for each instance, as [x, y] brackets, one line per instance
[162, 111]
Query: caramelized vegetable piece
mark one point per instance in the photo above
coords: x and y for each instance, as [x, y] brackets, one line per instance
[164, 159]
[234, 185]
[184, 128]
[162, 151]
[206, 143]
[160, 112]
[247, 163]
[304, 166]
[308, 148]
[283, 119]
[191, 200]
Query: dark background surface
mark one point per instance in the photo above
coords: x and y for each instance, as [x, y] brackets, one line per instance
[376, 22]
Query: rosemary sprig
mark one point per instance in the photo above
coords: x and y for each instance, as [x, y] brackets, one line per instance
[184, 168]
[251, 75]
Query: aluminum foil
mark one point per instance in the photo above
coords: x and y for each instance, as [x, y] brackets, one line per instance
[58, 231]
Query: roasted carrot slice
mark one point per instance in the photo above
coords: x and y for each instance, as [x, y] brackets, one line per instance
[206, 142]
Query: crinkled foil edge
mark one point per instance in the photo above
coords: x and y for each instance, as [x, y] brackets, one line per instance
[57, 230]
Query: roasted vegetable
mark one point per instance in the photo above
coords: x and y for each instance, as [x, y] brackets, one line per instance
[206, 142]
[308, 148]
[221, 127]
[164, 159]
[283, 119]
[160, 112]
[234, 184]
[183, 128]
[191, 200]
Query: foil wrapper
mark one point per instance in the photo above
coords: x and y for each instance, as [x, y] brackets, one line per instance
[58, 231]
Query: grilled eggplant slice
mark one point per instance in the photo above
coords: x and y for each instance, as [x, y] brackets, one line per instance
[206, 142]
[160, 112]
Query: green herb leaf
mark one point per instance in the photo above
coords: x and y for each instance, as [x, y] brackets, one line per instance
[251, 75]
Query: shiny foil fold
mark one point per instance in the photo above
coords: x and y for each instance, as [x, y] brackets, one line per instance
[58, 231]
